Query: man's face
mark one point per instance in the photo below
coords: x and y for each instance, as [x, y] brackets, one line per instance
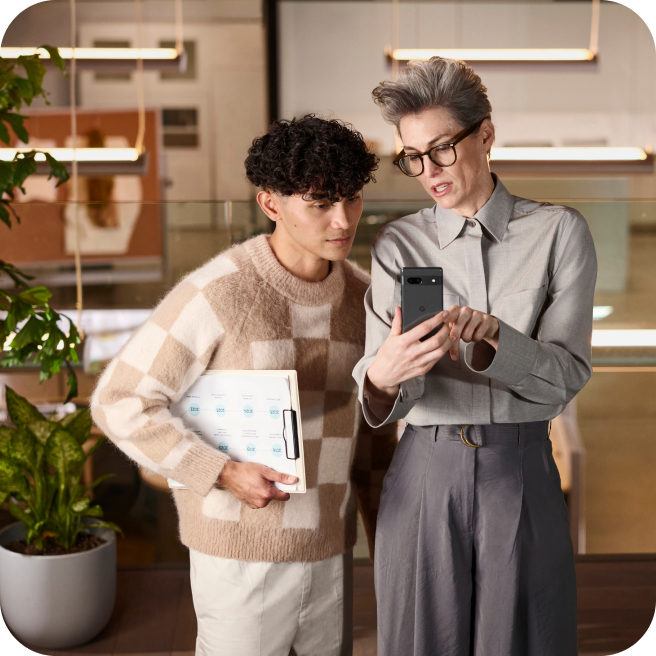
[317, 227]
[456, 187]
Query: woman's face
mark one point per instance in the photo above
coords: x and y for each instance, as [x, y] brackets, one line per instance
[467, 185]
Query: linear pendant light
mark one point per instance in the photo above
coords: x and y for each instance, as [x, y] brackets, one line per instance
[90, 161]
[80, 154]
[603, 160]
[504, 56]
[573, 154]
[620, 338]
[110, 58]
[500, 55]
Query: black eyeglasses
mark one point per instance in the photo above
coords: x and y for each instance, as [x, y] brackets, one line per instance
[443, 154]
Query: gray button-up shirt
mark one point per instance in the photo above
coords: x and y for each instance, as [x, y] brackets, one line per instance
[533, 266]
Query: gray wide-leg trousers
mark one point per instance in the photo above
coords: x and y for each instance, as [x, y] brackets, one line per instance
[473, 552]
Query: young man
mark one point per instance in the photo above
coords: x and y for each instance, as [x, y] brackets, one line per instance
[269, 572]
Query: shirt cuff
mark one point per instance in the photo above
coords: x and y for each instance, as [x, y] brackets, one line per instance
[409, 393]
[514, 357]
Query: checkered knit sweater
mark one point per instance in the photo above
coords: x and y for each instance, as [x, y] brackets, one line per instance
[244, 310]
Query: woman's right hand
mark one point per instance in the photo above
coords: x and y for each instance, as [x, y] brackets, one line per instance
[403, 357]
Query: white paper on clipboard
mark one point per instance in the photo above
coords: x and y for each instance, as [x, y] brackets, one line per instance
[251, 416]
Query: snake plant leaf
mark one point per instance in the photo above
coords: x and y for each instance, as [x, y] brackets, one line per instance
[78, 424]
[21, 515]
[12, 479]
[52, 485]
[94, 511]
[42, 429]
[6, 434]
[34, 530]
[22, 449]
[101, 440]
[63, 452]
[21, 411]
[110, 525]
[80, 505]
[100, 480]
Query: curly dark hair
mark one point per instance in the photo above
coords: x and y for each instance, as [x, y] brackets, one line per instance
[312, 156]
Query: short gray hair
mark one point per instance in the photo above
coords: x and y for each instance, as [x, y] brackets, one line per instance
[438, 82]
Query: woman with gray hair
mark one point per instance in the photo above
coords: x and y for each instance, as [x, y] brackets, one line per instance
[473, 552]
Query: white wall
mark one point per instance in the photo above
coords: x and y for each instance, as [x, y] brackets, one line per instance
[332, 57]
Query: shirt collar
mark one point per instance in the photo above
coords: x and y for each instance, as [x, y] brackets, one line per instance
[493, 216]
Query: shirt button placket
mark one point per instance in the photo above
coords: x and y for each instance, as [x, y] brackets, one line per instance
[477, 301]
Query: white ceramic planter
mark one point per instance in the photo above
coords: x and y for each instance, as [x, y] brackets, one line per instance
[57, 602]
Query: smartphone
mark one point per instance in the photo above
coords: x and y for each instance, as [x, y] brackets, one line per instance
[421, 296]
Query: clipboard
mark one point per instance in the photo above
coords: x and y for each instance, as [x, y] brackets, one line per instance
[215, 411]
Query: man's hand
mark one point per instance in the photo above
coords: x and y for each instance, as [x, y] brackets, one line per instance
[472, 326]
[252, 483]
[403, 357]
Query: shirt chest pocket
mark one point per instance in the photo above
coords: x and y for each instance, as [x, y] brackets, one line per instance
[522, 309]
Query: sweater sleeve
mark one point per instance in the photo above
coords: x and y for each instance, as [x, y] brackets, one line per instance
[159, 363]
[373, 455]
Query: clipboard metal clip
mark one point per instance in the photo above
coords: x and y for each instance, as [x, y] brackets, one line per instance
[290, 434]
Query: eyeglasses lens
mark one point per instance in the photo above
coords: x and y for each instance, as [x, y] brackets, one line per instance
[441, 155]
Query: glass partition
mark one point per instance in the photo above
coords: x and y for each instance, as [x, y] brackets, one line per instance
[615, 414]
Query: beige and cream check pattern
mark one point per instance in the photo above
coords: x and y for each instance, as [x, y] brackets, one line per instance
[243, 310]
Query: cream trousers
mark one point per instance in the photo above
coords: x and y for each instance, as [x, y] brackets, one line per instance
[272, 609]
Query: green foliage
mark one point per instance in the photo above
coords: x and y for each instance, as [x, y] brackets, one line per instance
[41, 465]
[15, 91]
[29, 331]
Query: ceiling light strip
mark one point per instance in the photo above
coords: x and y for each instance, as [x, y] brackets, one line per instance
[153, 54]
[609, 338]
[81, 154]
[497, 54]
[572, 154]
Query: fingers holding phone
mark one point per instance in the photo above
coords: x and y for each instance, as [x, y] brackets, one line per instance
[404, 356]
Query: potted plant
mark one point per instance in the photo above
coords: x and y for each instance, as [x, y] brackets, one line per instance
[58, 563]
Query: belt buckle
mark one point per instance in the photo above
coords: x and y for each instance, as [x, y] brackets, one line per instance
[465, 440]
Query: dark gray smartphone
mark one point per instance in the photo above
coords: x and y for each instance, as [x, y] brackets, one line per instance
[421, 296]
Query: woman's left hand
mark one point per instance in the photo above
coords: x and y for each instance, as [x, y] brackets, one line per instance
[473, 326]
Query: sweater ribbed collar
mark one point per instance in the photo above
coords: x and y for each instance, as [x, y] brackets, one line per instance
[296, 290]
